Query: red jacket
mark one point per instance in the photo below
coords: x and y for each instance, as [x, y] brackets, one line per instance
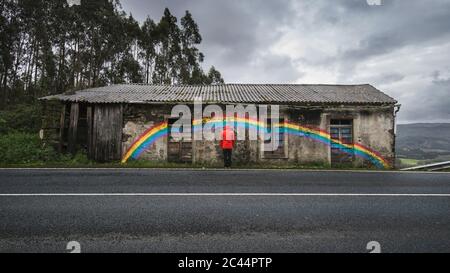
[227, 142]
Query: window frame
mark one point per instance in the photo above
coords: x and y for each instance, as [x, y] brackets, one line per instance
[344, 123]
[285, 142]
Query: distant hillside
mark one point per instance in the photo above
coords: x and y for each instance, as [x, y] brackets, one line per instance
[424, 141]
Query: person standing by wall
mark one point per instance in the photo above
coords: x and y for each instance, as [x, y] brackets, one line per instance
[227, 145]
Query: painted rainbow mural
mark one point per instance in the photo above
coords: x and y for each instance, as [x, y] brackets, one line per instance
[145, 140]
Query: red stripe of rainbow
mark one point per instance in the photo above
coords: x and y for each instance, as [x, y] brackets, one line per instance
[161, 130]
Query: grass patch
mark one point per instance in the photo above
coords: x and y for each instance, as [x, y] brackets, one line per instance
[409, 162]
[18, 149]
[25, 150]
[143, 164]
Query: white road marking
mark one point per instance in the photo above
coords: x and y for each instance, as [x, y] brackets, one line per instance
[232, 194]
[224, 170]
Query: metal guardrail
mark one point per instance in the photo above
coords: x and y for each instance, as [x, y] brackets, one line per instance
[430, 167]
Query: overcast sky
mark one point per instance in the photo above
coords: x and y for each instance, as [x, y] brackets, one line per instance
[401, 47]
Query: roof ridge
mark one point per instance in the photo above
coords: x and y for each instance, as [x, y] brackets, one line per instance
[232, 93]
[241, 84]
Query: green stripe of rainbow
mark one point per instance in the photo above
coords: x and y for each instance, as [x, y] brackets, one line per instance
[161, 130]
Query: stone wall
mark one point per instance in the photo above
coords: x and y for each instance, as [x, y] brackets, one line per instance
[372, 127]
[137, 119]
[304, 150]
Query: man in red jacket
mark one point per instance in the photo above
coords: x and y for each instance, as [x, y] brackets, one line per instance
[227, 144]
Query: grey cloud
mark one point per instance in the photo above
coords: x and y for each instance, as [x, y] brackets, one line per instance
[403, 24]
[431, 104]
[277, 68]
[235, 30]
[392, 78]
[338, 39]
[439, 81]
[385, 78]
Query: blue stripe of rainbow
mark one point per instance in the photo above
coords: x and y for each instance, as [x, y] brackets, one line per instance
[145, 140]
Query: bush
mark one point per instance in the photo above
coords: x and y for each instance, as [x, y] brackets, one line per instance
[24, 148]
[79, 158]
[21, 118]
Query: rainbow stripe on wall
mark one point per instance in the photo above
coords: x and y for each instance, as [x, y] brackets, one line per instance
[145, 140]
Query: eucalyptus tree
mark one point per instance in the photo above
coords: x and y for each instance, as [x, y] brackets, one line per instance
[148, 40]
[214, 76]
[10, 29]
[191, 56]
[168, 50]
[49, 47]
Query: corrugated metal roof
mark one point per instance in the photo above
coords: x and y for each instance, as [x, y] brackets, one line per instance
[231, 93]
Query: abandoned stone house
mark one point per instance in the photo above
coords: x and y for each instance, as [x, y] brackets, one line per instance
[105, 122]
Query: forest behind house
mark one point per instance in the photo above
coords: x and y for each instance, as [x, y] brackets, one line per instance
[51, 47]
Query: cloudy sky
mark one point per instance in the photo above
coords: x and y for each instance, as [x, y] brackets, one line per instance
[401, 47]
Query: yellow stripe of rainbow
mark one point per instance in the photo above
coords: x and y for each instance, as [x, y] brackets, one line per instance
[161, 130]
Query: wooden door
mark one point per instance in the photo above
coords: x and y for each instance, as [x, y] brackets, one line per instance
[178, 151]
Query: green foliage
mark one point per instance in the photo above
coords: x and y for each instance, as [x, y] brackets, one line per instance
[79, 158]
[23, 148]
[214, 76]
[21, 118]
[49, 47]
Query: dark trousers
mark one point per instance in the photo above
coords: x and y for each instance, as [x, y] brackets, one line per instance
[227, 157]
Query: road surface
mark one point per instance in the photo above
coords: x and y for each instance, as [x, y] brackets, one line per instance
[223, 211]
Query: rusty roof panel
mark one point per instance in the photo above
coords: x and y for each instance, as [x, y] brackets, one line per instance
[231, 93]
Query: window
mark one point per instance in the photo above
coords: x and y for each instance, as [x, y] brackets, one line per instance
[278, 150]
[183, 131]
[342, 122]
[342, 131]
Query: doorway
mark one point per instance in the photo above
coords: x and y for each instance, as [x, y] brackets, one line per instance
[341, 130]
[178, 151]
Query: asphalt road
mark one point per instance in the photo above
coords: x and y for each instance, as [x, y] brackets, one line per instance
[223, 211]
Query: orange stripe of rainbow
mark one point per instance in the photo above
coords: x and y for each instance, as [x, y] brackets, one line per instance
[161, 130]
